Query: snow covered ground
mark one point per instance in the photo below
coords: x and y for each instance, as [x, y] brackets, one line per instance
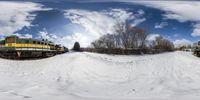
[90, 76]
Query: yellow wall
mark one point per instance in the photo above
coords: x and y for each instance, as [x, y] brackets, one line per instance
[26, 45]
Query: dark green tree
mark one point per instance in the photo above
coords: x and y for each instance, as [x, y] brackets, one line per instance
[76, 46]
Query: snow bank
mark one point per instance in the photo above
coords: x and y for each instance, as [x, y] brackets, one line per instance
[90, 76]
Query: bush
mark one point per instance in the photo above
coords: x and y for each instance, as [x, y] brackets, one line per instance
[76, 46]
[121, 51]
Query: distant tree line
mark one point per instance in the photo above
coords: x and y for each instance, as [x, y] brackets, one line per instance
[129, 40]
[184, 47]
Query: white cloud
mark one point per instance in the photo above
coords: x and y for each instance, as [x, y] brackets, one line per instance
[152, 37]
[67, 40]
[176, 35]
[43, 34]
[178, 10]
[161, 25]
[28, 36]
[182, 42]
[141, 12]
[98, 23]
[23, 35]
[16, 15]
[138, 21]
[95, 23]
[196, 31]
[120, 15]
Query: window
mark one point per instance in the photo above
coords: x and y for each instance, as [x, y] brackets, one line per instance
[34, 42]
[10, 40]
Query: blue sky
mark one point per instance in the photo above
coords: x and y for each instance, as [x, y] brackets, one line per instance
[67, 21]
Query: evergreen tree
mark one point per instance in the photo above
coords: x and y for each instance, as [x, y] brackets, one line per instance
[76, 46]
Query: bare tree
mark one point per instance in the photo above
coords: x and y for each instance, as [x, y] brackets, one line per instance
[105, 41]
[126, 36]
[110, 41]
[121, 36]
[163, 44]
[140, 37]
[97, 44]
[131, 37]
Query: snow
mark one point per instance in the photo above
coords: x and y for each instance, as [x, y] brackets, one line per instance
[91, 76]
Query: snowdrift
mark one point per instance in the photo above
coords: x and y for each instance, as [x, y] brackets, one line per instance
[90, 76]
